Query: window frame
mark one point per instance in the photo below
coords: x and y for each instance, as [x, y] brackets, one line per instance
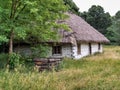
[57, 50]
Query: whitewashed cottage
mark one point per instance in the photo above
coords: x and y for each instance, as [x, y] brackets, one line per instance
[82, 41]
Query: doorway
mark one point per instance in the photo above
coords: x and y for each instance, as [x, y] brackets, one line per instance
[90, 49]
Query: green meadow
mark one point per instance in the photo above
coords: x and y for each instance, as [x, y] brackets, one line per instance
[96, 72]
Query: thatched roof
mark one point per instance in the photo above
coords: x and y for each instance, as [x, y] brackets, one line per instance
[81, 31]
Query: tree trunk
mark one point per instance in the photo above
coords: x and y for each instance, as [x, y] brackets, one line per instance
[11, 42]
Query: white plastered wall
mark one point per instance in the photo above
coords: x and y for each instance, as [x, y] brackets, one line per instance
[23, 50]
[66, 51]
[85, 50]
[71, 51]
[95, 48]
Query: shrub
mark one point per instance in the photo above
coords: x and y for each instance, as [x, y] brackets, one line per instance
[14, 60]
[40, 51]
[3, 60]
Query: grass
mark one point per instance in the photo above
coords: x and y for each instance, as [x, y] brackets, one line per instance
[97, 72]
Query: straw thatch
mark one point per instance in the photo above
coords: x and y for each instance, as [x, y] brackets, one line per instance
[81, 31]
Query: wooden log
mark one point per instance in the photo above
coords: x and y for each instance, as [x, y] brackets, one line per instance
[47, 63]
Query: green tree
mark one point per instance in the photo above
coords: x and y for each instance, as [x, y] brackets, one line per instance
[113, 32]
[72, 6]
[117, 15]
[97, 18]
[34, 18]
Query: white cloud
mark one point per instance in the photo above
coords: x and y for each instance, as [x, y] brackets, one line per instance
[111, 6]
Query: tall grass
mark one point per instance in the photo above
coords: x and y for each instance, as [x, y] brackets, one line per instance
[97, 72]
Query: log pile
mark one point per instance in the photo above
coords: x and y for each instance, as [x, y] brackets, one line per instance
[47, 63]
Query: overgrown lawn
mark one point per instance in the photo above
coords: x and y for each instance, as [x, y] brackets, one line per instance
[97, 72]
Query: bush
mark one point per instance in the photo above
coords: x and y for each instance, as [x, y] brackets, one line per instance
[3, 60]
[14, 60]
[40, 51]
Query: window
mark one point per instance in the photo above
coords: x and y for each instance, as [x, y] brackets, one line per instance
[99, 46]
[56, 50]
[79, 48]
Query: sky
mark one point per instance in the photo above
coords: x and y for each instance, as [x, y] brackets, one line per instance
[111, 6]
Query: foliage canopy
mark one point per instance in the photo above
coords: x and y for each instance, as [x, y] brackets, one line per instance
[72, 6]
[113, 32]
[29, 19]
[97, 18]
